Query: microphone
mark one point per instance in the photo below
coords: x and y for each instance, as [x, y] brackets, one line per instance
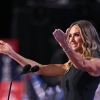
[35, 68]
[26, 69]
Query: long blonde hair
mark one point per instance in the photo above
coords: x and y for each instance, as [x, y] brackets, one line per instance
[91, 40]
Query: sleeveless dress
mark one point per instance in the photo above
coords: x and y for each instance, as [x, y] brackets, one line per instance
[79, 85]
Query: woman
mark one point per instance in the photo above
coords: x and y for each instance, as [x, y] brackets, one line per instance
[81, 74]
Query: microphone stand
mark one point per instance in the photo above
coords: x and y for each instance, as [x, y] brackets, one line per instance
[11, 84]
[26, 69]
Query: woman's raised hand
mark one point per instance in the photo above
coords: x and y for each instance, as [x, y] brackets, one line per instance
[5, 48]
[60, 36]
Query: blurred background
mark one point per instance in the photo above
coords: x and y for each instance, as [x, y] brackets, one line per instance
[28, 25]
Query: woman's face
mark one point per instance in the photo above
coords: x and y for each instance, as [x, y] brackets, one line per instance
[75, 39]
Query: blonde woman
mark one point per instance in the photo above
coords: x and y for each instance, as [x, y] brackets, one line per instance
[81, 74]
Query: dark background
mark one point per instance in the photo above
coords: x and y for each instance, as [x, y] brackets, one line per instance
[33, 21]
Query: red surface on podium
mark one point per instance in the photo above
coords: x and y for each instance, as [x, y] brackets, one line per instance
[16, 90]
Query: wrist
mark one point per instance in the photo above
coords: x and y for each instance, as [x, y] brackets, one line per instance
[11, 53]
[66, 48]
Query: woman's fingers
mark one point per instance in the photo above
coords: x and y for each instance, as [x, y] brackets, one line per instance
[67, 31]
[58, 33]
[2, 42]
[60, 36]
[4, 47]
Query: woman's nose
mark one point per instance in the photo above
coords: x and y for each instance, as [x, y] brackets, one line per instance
[72, 39]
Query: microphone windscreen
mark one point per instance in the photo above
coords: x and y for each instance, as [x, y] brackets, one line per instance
[35, 68]
[26, 68]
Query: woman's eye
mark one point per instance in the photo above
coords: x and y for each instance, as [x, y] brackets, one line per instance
[76, 34]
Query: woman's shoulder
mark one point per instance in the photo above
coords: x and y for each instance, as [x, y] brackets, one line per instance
[94, 59]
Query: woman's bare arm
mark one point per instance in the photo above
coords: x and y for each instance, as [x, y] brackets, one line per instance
[91, 66]
[48, 70]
